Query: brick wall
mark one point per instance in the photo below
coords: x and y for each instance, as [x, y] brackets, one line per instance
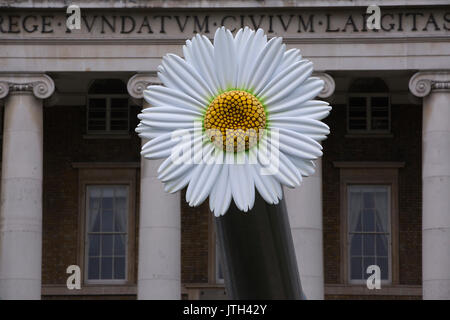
[404, 146]
[64, 144]
[194, 244]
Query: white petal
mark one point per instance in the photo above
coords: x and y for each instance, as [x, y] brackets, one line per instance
[172, 110]
[266, 63]
[220, 198]
[180, 75]
[168, 80]
[314, 109]
[207, 180]
[299, 145]
[146, 132]
[173, 171]
[151, 134]
[225, 59]
[306, 167]
[282, 168]
[308, 90]
[178, 184]
[162, 143]
[198, 169]
[242, 187]
[286, 82]
[265, 184]
[241, 41]
[288, 169]
[250, 187]
[199, 53]
[227, 197]
[172, 113]
[303, 125]
[252, 49]
[159, 96]
[290, 57]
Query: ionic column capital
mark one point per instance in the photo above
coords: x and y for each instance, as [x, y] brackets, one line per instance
[423, 82]
[139, 82]
[41, 85]
[328, 88]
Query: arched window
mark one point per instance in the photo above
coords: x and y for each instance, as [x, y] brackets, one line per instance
[368, 108]
[108, 107]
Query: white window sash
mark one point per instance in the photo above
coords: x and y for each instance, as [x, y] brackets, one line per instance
[108, 98]
[87, 233]
[369, 188]
[368, 96]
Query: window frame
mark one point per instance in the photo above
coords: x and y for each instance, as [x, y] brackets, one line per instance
[213, 257]
[348, 245]
[108, 176]
[86, 241]
[368, 96]
[108, 98]
[368, 173]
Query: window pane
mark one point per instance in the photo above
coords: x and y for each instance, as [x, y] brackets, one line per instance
[93, 269]
[356, 245]
[107, 202]
[119, 268]
[107, 245]
[220, 277]
[382, 249]
[107, 231]
[106, 268]
[119, 114]
[383, 264]
[120, 215]
[368, 261]
[354, 207]
[369, 200]
[357, 113]
[94, 221]
[119, 245]
[356, 268]
[369, 244]
[369, 220]
[119, 104]
[94, 245]
[382, 213]
[107, 220]
[380, 113]
[97, 114]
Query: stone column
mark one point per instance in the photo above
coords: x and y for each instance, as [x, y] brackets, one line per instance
[304, 205]
[21, 185]
[434, 87]
[159, 268]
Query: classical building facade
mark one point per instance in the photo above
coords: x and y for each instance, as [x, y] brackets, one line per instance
[74, 190]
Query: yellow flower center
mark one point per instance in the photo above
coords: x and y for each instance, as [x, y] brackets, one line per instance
[234, 120]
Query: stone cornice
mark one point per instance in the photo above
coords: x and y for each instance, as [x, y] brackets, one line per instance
[328, 88]
[41, 85]
[423, 82]
[217, 4]
[139, 82]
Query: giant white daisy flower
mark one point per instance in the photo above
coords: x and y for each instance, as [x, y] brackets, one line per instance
[247, 96]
